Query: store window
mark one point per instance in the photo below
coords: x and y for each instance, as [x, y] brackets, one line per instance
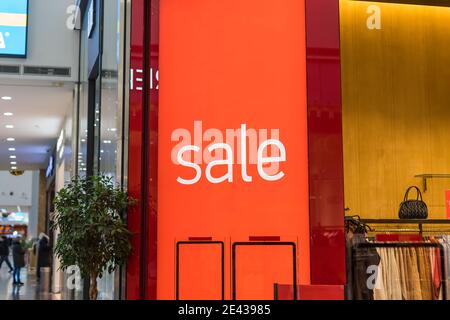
[109, 117]
[78, 165]
[83, 105]
[111, 113]
[395, 110]
[100, 107]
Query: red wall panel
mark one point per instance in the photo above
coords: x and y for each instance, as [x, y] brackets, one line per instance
[326, 182]
[135, 151]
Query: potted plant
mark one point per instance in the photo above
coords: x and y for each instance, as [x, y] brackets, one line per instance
[92, 233]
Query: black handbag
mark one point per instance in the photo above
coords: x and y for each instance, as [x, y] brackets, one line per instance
[413, 209]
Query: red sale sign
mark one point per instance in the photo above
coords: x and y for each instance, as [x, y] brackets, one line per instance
[447, 203]
[233, 148]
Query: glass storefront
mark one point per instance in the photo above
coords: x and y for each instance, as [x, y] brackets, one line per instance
[110, 115]
[101, 106]
[395, 80]
[83, 103]
[111, 112]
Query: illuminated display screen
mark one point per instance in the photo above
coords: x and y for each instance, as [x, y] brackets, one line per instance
[13, 28]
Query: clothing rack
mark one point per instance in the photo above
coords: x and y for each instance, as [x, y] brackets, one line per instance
[419, 222]
[406, 230]
[410, 245]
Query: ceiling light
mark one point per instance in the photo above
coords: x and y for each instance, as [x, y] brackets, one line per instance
[8, 114]
[112, 129]
[13, 163]
[6, 98]
[9, 126]
[11, 149]
[107, 141]
[13, 168]
[10, 139]
[12, 157]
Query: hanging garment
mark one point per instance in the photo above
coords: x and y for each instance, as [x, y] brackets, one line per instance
[437, 273]
[415, 292]
[404, 275]
[364, 258]
[394, 288]
[349, 269]
[424, 264]
[445, 242]
[380, 285]
[432, 255]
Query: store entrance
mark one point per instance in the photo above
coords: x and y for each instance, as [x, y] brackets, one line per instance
[395, 80]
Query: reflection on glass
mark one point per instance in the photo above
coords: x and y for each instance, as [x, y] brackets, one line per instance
[83, 107]
[110, 123]
[109, 118]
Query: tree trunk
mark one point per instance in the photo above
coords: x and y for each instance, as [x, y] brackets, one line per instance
[93, 292]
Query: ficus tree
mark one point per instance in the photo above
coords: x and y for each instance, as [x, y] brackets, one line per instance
[92, 234]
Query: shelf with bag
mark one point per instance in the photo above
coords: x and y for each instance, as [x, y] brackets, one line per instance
[411, 212]
[404, 225]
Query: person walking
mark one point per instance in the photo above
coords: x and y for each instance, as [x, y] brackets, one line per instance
[4, 253]
[43, 254]
[18, 259]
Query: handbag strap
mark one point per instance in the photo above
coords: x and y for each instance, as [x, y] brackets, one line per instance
[419, 193]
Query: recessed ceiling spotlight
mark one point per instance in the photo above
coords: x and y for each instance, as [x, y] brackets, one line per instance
[9, 126]
[13, 168]
[107, 141]
[11, 149]
[6, 98]
[8, 114]
[12, 157]
[10, 139]
[13, 163]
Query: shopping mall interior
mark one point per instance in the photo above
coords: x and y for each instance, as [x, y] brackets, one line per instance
[43, 105]
[348, 100]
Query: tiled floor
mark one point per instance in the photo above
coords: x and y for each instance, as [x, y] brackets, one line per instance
[29, 291]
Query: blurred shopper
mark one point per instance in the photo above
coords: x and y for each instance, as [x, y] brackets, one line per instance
[4, 253]
[43, 254]
[18, 259]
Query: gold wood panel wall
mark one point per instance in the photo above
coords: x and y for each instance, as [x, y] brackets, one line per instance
[396, 106]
